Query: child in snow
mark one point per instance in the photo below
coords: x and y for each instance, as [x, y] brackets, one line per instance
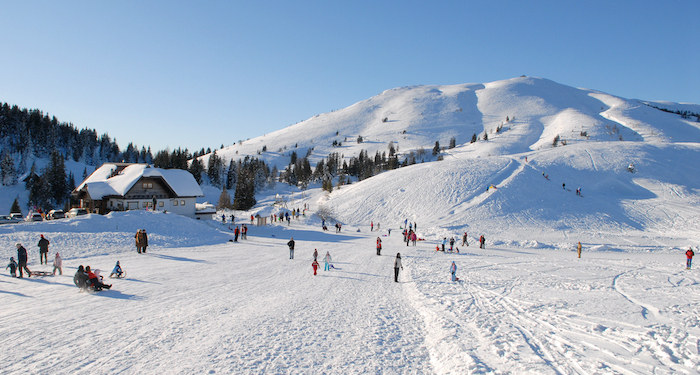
[444, 241]
[453, 271]
[327, 259]
[379, 246]
[315, 266]
[689, 255]
[57, 264]
[452, 243]
[117, 270]
[12, 266]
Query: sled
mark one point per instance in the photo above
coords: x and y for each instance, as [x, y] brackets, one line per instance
[41, 273]
[114, 275]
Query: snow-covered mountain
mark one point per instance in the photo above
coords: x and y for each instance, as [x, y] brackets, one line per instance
[599, 136]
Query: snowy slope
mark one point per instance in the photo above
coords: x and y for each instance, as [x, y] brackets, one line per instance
[246, 308]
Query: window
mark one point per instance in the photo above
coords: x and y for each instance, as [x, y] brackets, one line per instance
[182, 203]
[160, 204]
[147, 185]
[144, 204]
[175, 202]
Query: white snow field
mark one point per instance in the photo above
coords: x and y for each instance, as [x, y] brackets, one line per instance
[246, 308]
[197, 303]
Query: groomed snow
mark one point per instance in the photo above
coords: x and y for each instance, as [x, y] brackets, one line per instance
[213, 306]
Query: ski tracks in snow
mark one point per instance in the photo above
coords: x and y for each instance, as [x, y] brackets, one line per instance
[488, 324]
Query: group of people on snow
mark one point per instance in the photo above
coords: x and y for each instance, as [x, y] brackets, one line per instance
[141, 238]
[84, 277]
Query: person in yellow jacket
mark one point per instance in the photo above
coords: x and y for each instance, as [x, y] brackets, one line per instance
[578, 249]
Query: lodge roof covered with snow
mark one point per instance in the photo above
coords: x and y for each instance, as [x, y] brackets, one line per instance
[115, 179]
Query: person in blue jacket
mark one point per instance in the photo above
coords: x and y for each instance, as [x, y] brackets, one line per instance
[117, 270]
[453, 271]
[13, 267]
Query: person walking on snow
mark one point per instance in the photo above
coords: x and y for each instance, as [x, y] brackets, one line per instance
[444, 241]
[315, 255]
[327, 260]
[397, 265]
[578, 249]
[379, 246]
[414, 238]
[291, 248]
[453, 271]
[482, 242]
[452, 243]
[464, 240]
[314, 265]
[371, 226]
[57, 264]
[235, 234]
[22, 260]
[43, 250]
[689, 255]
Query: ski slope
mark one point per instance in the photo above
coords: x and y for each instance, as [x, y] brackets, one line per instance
[246, 308]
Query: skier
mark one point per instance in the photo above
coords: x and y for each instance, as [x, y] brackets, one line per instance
[57, 264]
[397, 265]
[43, 250]
[314, 264]
[453, 271]
[291, 248]
[482, 242]
[578, 249]
[22, 260]
[464, 240]
[327, 259]
[689, 254]
[13, 267]
[379, 246]
[117, 270]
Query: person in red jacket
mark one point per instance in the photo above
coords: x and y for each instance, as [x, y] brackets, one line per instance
[689, 254]
[379, 246]
[315, 266]
[94, 281]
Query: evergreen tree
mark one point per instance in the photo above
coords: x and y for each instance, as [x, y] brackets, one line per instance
[232, 175]
[196, 168]
[473, 138]
[244, 197]
[436, 149]
[272, 179]
[224, 200]
[214, 169]
[56, 180]
[8, 174]
[15, 209]
[453, 143]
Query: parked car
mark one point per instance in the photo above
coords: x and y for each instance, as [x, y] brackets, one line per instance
[34, 216]
[6, 219]
[76, 212]
[55, 214]
[12, 218]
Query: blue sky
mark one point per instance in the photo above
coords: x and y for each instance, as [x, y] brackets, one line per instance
[201, 74]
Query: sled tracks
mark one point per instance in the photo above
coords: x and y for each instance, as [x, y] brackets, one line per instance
[477, 330]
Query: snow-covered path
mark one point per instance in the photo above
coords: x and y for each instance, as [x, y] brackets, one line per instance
[246, 308]
[233, 308]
